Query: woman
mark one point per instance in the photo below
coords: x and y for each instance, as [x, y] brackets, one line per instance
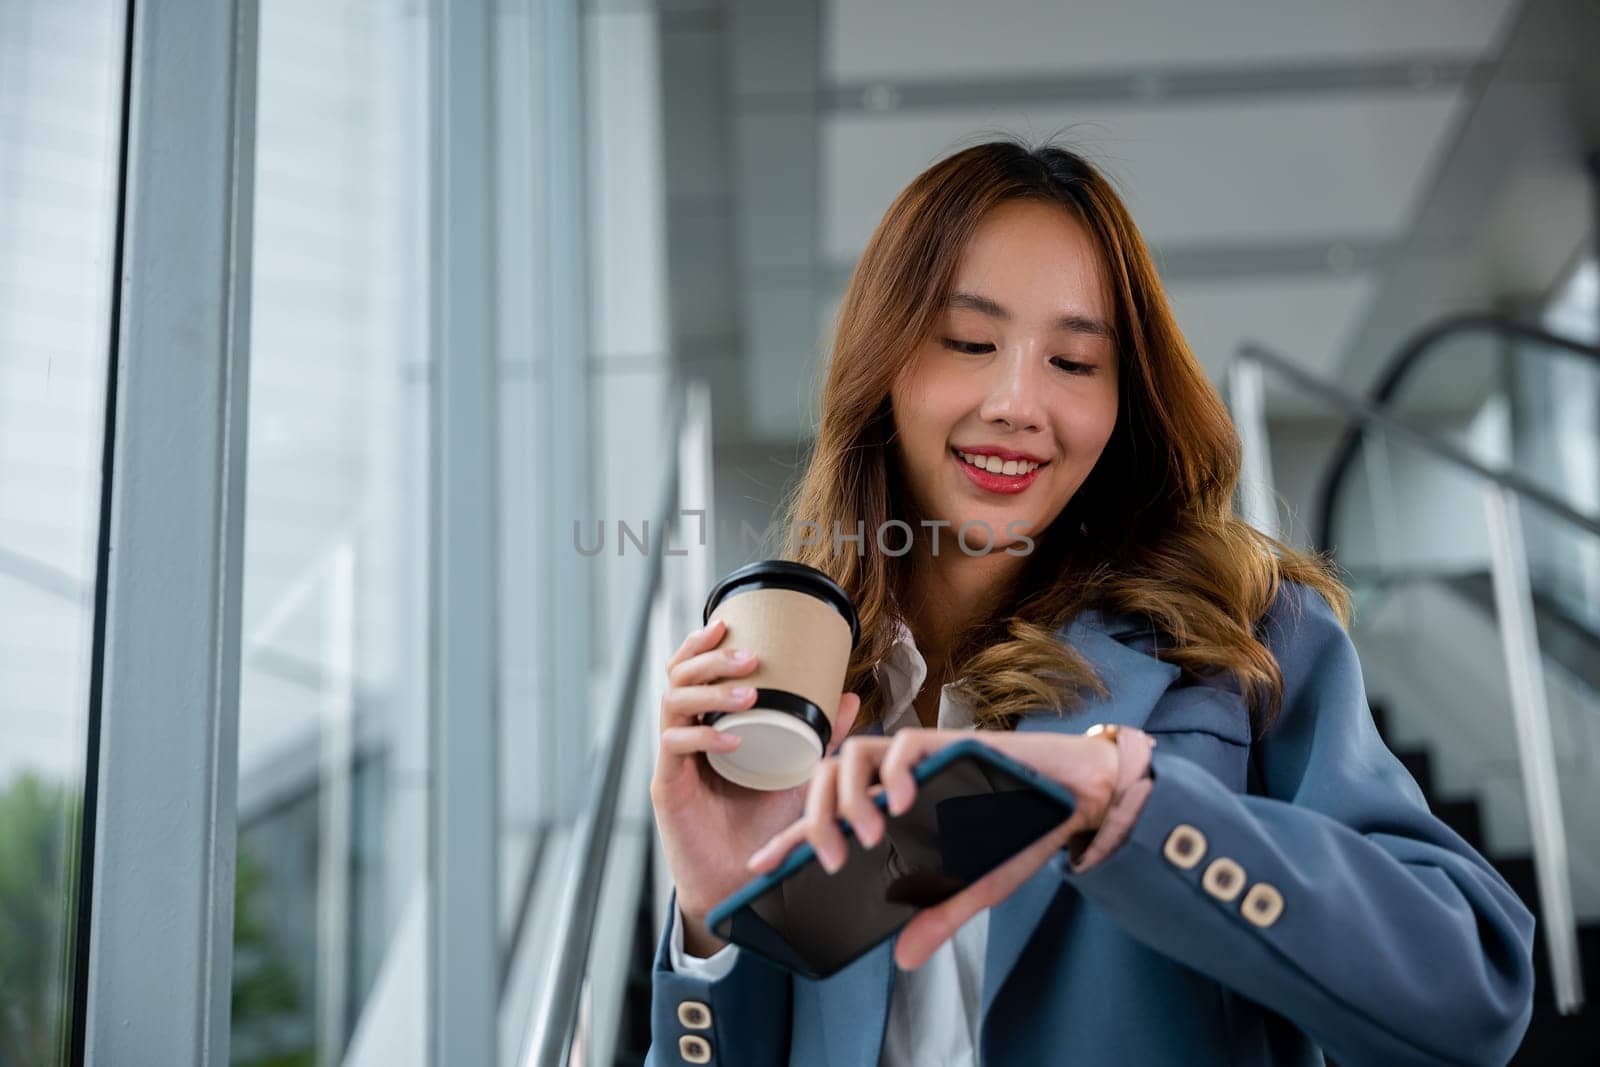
[1250, 876]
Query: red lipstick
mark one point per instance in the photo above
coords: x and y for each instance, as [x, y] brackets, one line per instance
[997, 483]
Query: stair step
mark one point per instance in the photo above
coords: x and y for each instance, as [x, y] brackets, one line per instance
[1556, 1040]
[1518, 873]
[1552, 1038]
[1380, 718]
[1464, 817]
[1419, 764]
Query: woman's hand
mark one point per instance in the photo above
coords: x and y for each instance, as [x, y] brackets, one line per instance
[708, 825]
[842, 787]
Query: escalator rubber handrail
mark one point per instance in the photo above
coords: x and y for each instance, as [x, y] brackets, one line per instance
[1363, 411]
[1400, 367]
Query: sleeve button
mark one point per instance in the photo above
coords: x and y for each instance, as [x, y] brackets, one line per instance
[1263, 904]
[1185, 846]
[694, 1049]
[1224, 879]
[694, 1015]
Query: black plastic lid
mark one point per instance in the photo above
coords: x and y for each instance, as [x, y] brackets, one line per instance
[785, 574]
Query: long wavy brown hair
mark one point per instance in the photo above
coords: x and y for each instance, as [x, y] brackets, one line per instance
[1150, 532]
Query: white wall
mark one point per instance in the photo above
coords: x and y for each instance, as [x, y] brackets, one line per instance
[1429, 515]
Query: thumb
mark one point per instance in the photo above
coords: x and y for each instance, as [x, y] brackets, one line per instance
[849, 706]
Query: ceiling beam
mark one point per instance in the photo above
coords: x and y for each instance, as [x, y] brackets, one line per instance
[1153, 85]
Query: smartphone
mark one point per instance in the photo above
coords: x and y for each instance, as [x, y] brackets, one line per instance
[974, 809]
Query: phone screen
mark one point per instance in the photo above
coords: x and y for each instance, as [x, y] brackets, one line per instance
[970, 815]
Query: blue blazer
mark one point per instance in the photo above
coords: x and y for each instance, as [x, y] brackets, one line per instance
[1362, 924]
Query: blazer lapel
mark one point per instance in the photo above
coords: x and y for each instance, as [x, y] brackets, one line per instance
[855, 1002]
[855, 1006]
[1135, 681]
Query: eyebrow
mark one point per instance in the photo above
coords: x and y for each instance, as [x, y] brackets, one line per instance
[1070, 323]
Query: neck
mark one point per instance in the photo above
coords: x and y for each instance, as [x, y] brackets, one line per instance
[952, 592]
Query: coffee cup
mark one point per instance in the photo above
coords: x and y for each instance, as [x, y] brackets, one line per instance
[802, 627]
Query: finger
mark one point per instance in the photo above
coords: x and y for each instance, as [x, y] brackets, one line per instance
[778, 847]
[687, 740]
[698, 641]
[849, 708]
[769, 855]
[858, 764]
[908, 748]
[932, 927]
[681, 710]
[822, 825]
[683, 705]
[711, 665]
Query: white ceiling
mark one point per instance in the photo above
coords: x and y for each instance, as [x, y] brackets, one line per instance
[944, 39]
[1346, 167]
[1308, 319]
[1212, 176]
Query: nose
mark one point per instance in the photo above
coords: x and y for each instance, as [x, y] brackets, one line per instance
[1012, 399]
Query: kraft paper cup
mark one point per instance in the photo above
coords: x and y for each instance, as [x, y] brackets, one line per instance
[802, 627]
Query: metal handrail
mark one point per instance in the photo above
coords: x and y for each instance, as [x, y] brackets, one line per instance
[1503, 490]
[555, 1015]
[1405, 360]
[1364, 413]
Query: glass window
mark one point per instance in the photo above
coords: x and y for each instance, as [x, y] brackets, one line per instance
[61, 105]
[1566, 561]
[329, 929]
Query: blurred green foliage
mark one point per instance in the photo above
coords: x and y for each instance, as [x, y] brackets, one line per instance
[40, 824]
[38, 879]
[270, 1014]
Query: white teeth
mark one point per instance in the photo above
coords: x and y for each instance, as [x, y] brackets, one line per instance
[995, 465]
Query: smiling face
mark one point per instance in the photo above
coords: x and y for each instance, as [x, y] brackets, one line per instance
[1021, 365]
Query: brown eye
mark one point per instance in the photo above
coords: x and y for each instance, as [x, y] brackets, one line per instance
[966, 347]
[1073, 366]
[979, 348]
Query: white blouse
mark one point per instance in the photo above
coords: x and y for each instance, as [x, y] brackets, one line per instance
[933, 1014]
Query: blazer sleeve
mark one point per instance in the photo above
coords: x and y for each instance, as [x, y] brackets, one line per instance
[742, 1017]
[1336, 898]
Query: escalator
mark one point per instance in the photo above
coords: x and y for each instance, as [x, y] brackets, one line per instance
[1401, 508]
[1552, 1039]
[1564, 638]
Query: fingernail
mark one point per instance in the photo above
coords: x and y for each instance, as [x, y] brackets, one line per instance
[743, 692]
[744, 655]
[731, 740]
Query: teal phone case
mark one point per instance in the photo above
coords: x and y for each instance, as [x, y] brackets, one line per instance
[722, 915]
